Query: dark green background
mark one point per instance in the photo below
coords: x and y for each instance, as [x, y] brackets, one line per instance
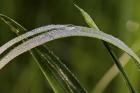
[86, 57]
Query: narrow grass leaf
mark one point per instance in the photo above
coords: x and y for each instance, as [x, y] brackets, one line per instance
[61, 72]
[61, 33]
[15, 27]
[87, 18]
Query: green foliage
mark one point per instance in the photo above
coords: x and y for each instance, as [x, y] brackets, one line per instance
[84, 56]
[52, 35]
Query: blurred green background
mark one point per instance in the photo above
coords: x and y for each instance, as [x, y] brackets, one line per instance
[87, 58]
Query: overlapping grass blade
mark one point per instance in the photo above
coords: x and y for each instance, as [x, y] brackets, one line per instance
[61, 72]
[15, 27]
[59, 76]
[92, 24]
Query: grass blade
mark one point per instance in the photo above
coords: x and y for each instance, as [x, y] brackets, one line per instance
[62, 33]
[58, 75]
[92, 24]
[15, 27]
[62, 73]
[87, 18]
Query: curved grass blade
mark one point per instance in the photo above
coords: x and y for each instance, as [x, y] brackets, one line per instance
[62, 33]
[92, 24]
[58, 75]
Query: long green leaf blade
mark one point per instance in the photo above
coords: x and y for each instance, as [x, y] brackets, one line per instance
[61, 33]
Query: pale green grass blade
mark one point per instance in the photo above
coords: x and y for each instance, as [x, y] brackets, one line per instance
[61, 33]
[87, 18]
